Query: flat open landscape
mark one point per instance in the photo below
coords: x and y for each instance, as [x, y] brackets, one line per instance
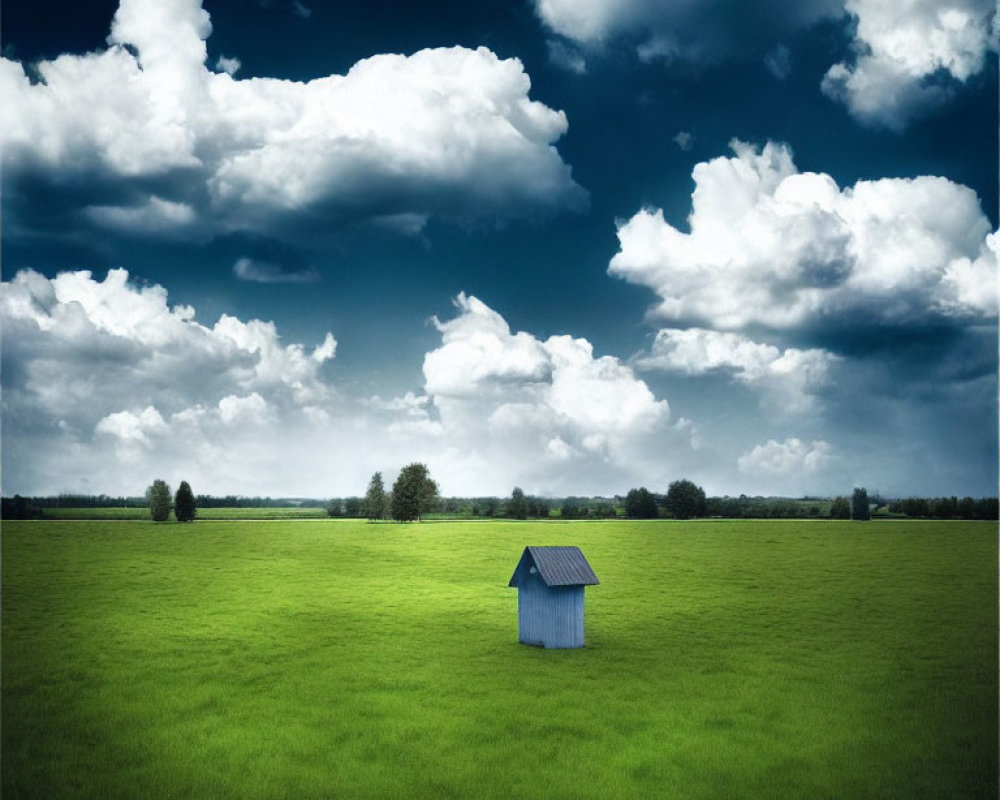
[334, 659]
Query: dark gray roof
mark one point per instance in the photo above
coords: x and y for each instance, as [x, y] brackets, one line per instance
[557, 566]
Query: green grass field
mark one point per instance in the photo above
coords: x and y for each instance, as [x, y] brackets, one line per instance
[332, 659]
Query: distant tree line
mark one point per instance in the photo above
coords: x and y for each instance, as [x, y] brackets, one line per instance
[234, 501]
[343, 507]
[18, 507]
[946, 507]
[522, 507]
[82, 501]
[586, 507]
[744, 507]
[418, 495]
[203, 501]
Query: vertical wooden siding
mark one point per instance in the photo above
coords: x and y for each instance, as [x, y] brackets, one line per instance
[550, 616]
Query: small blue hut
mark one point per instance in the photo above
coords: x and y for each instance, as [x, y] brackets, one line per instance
[550, 583]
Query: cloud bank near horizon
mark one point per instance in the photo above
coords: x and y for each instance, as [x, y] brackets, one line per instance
[124, 387]
[121, 383]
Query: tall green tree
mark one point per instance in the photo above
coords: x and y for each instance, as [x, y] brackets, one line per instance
[640, 504]
[685, 500]
[413, 493]
[158, 498]
[840, 508]
[376, 502]
[859, 505]
[517, 506]
[185, 509]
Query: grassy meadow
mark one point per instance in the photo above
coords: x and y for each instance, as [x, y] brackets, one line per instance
[339, 659]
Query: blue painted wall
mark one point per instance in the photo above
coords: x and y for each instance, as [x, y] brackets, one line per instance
[549, 616]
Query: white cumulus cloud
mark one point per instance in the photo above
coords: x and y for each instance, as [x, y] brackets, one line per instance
[558, 379]
[250, 410]
[901, 51]
[525, 405]
[130, 427]
[107, 384]
[786, 458]
[772, 246]
[113, 344]
[789, 379]
[478, 351]
[449, 132]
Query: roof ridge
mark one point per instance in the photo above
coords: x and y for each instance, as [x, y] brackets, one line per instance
[559, 565]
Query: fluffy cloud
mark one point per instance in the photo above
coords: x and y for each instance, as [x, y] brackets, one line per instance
[124, 386]
[527, 405]
[478, 355]
[108, 385]
[250, 410]
[771, 246]
[788, 379]
[132, 428]
[447, 132]
[93, 353]
[525, 380]
[902, 50]
[589, 20]
[789, 457]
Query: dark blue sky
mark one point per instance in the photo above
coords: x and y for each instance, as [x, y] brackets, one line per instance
[844, 365]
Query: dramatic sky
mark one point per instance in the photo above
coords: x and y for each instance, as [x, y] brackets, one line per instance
[273, 246]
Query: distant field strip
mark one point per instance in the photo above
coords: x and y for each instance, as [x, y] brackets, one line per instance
[347, 660]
